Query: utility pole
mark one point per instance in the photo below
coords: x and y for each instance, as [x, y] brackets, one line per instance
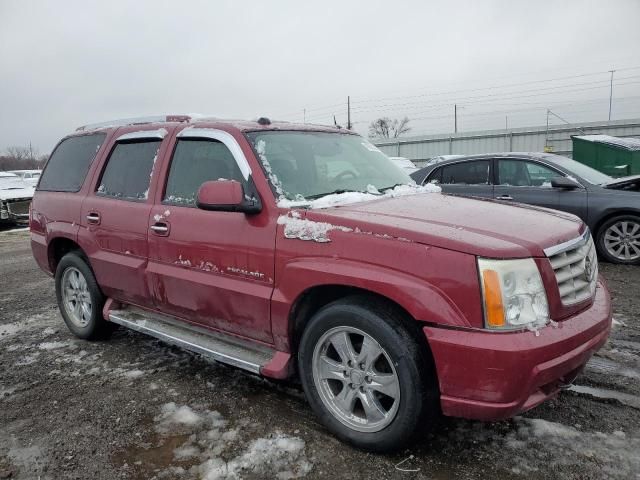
[546, 136]
[610, 93]
[455, 118]
[348, 113]
[30, 152]
[304, 115]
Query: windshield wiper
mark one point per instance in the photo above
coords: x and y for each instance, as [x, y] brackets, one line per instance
[335, 192]
[391, 187]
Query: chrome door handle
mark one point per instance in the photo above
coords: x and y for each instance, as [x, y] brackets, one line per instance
[504, 197]
[93, 218]
[160, 228]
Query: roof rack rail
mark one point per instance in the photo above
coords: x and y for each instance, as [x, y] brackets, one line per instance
[138, 121]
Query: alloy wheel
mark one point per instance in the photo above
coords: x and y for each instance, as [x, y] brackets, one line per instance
[76, 297]
[622, 240]
[356, 379]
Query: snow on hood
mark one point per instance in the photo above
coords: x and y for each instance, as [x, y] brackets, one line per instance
[347, 198]
[15, 187]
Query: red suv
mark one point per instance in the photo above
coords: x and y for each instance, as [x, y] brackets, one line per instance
[303, 251]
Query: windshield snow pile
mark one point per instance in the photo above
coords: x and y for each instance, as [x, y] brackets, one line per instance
[346, 198]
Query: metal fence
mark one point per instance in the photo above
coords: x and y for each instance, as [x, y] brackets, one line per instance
[530, 139]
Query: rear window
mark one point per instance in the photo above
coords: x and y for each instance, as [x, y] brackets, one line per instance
[128, 171]
[70, 162]
[466, 173]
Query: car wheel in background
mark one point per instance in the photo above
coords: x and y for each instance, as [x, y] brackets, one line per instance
[366, 376]
[80, 299]
[619, 240]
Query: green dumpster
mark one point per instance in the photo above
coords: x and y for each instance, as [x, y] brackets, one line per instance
[615, 156]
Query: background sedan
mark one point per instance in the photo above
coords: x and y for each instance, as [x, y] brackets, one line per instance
[610, 207]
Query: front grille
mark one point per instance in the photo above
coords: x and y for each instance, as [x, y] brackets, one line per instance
[19, 208]
[576, 267]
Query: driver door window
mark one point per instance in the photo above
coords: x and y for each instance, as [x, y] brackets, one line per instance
[194, 162]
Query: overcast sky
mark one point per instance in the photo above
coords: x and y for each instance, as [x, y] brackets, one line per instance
[66, 63]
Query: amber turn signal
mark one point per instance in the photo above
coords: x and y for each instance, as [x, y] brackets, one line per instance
[494, 310]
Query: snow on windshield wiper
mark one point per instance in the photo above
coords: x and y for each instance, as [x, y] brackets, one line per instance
[335, 192]
[391, 187]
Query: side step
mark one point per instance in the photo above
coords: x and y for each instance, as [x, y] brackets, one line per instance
[222, 348]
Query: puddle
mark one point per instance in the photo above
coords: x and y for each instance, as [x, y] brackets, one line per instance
[625, 398]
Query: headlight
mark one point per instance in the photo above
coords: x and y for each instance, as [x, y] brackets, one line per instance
[513, 293]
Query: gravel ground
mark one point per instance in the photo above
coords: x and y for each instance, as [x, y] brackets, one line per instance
[134, 408]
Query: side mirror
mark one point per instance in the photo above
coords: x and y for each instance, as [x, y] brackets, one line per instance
[565, 182]
[225, 196]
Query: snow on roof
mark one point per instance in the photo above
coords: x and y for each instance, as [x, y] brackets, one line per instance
[627, 142]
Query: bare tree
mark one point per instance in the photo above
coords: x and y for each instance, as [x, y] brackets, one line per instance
[384, 127]
[22, 158]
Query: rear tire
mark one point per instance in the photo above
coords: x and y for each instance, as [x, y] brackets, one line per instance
[80, 299]
[366, 376]
[619, 240]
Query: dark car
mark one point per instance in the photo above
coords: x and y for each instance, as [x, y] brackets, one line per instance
[609, 206]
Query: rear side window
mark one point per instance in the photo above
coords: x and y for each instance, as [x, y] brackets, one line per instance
[70, 162]
[128, 171]
[197, 161]
[466, 173]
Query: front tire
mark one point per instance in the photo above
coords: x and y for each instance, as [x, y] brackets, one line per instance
[80, 299]
[366, 376]
[619, 240]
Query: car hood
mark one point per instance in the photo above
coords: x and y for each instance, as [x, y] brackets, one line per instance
[11, 188]
[481, 227]
[624, 182]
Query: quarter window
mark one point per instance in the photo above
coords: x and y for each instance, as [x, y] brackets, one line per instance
[70, 162]
[194, 162]
[128, 171]
[466, 173]
[524, 174]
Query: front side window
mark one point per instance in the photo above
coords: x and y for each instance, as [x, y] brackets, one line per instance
[520, 173]
[308, 165]
[194, 162]
[70, 162]
[128, 172]
[466, 173]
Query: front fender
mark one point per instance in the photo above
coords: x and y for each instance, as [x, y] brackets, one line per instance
[423, 300]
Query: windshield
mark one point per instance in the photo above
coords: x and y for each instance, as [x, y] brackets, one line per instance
[307, 165]
[581, 170]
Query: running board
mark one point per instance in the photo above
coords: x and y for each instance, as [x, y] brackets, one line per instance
[220, 347]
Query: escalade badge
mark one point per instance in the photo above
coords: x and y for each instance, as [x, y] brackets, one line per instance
[588, 269]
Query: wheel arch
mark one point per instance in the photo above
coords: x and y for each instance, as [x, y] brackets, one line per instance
[58, 247]
[609, 214]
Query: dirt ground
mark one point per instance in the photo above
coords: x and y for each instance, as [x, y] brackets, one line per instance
[134, 408]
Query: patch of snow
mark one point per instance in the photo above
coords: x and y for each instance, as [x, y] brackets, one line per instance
[182, 262]
[261, 146]
[347, 198]
[303, 229]
[54, 345]
[208, 438]
[134, 374]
